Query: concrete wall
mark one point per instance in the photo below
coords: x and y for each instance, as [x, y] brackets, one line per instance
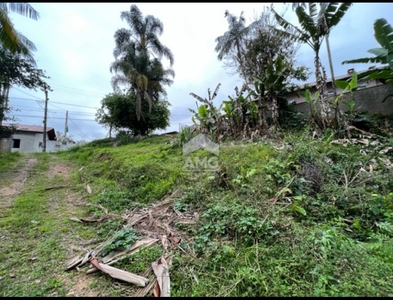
[367, 100]
[28, 142]
[32, 142]
[5, 144]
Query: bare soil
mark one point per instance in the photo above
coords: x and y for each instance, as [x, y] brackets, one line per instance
[15, 179]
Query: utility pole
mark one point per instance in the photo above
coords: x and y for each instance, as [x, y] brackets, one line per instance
[45, 119]
[66, 126]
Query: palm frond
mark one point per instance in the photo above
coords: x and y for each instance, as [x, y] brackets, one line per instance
[378, 51]
[8, 35]
[197, 97]
[26, 42]
[384, 34]
[335, 12]
[312, 11]
[366, 60]
[216, 90]
[24, 9]
[307, 21]
[381, 74]
[135, 20]
[154, 25]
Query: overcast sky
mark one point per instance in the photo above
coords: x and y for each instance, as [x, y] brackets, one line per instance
[75, 44]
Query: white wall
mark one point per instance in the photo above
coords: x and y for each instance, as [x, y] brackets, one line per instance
[30, 142]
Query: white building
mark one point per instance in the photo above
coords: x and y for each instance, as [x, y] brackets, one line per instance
[29, 138]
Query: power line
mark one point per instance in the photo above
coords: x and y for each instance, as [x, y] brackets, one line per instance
[83, 135]
[70, 91]
[60, 118]
[27, 94]
[54, 102]
[53, 111]
[73, 112]
[76, 89]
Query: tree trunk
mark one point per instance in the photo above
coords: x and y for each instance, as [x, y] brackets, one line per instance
[261, 117]
[274, 109]
[322, 89]
[331, 65]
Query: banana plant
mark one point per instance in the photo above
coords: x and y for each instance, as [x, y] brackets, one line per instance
[274, 83]
[350, 86]
[207, 114]
[239, 112]
[315, 26]
[383, 33]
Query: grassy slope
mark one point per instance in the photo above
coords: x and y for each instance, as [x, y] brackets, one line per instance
[281, 218]
[294, 218]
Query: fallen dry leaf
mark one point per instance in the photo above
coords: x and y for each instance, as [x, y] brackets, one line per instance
[88, 188]
[165, 242]
[160, 269]
[156, 290]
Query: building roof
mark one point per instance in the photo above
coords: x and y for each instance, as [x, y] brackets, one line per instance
[33, 128]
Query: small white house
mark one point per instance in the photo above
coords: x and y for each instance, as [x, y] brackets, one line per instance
[29, 138]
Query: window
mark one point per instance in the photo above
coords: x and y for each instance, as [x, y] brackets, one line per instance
[15, 143]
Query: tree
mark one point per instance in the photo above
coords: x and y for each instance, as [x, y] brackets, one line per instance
[314, 27]
[383, 33]
[20, 71]
[143, 76]
[10, 39]
[323, 7]
[274, 83]
[133, 51]
[264, 45]
[118, 111]
[232, 43]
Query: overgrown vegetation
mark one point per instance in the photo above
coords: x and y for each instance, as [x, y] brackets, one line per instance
[292, 217]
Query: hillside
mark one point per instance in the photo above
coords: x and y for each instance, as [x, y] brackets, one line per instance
[296, 216]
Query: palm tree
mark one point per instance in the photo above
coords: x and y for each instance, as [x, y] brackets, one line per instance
[133, 64]
[323, 7]
[10, 39]
[143, 33]
[314, 27]
[233, 39]
[145, 77]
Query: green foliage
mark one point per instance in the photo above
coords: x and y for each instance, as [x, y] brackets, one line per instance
[123, 239]
[8, 159]
[185, 135]
[232, 220]
[138, 54]
[140, 261]
[118, 200]
[275, 81]
[118, 111]
[383, 33]
[123, 138]
[244, 178]
[20, 71]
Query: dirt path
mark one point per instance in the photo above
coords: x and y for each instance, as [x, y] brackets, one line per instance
[79, 284]
[63, 204]
[14, 181]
